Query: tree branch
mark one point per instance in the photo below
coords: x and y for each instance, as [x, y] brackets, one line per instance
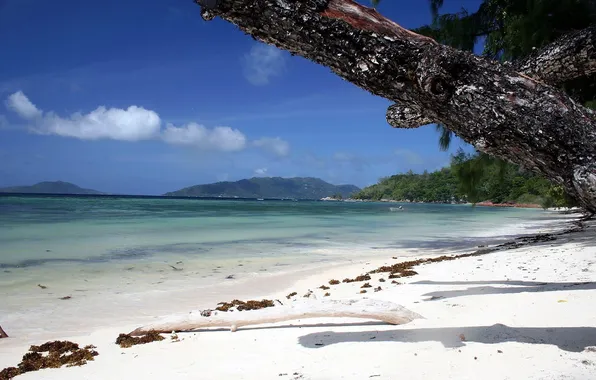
[400, 116]
[569, 57]
[495, 108]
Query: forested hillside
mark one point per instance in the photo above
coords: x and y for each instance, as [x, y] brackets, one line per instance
[57, 187]
[269, 187]
[469, 178]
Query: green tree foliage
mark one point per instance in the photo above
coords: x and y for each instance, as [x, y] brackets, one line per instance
[510, 30]
[337, 196]
[470, 177]
[439, 186]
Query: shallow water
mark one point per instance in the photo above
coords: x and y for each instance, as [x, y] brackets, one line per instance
[111, 253]
[92, 230]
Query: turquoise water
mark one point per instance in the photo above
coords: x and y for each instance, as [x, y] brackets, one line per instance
[37, 231]
[127, 260]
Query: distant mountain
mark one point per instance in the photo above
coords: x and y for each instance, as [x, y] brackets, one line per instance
[269, 187]
[57, 187]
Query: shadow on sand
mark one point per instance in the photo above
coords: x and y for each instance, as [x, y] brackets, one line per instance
[573, 339]
[516, 287]
[583, 237]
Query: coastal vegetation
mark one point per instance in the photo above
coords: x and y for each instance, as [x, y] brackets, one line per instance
[470, 178]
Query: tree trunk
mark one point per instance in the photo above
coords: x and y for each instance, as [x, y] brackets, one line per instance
[489, 105]
[365, 309]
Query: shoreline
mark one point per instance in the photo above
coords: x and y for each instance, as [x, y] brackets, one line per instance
[11, 349]
[100, 303]
[480, 204]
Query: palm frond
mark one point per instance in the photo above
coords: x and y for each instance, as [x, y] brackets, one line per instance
[445, 138]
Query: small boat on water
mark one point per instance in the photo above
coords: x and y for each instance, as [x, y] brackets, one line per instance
[400, 208]
[260, 199]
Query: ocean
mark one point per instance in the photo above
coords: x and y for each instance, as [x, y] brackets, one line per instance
[141, 256]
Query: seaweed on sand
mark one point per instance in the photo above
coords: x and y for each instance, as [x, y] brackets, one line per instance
[333, 282]
[58, 353]
[404, 269]
[126, 340]
[9, 373]
[242, 305]
[362, 277]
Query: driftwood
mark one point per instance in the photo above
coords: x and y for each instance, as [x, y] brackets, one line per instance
[499, 110]
[3, 334]
[364, 309]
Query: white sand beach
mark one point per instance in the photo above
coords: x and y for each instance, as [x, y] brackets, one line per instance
[524, 313]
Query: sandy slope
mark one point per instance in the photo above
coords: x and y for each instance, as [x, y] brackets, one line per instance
[514, 314]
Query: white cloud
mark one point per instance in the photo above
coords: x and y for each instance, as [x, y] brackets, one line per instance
[340, 156]
[134, 124]
[223, 139]
[262, 63]
[409, 156]
[20, 104]
[261, 172]
[222, 177]
[131, 124]
[274, 145]
[357, 162]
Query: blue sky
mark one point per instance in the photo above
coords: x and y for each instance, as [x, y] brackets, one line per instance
[145, 97]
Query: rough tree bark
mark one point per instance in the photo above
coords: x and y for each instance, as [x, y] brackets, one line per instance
[571, 56]
[492, 106]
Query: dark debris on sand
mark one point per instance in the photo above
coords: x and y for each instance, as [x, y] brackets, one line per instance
[405, 269]
[51, 355]
[363, 277]
[126, 340]
[242, 305]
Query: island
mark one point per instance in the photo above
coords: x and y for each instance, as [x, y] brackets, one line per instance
[270, 188]
[50, 187]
